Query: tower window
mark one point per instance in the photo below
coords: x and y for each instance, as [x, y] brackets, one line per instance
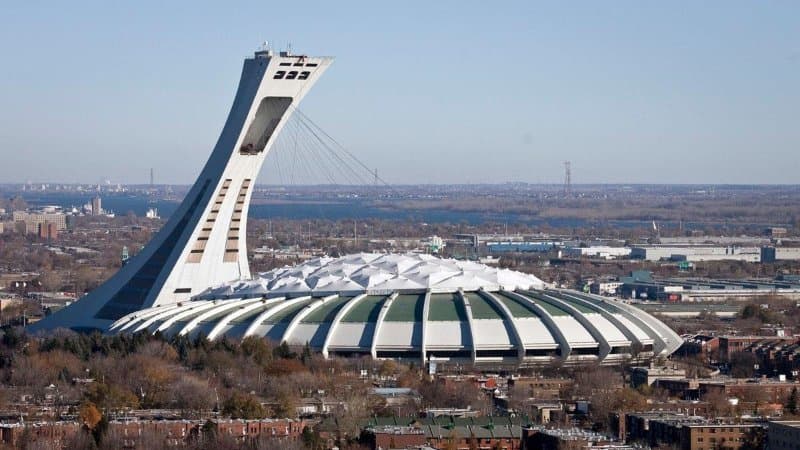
[311, 65]
[279, 74]
[286, 64]
[304, 75]
[291, 75]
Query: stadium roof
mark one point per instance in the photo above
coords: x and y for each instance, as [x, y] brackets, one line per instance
[416, 307]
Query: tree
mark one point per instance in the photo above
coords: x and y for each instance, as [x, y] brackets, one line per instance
[311, 438]
[257, 348]
[754, 439]
[90, 415]
[111, 396]
[243, 406]
[51, 281]
[791, 403]
[743, 364]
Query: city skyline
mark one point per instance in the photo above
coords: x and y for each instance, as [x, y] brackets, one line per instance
[697, 94]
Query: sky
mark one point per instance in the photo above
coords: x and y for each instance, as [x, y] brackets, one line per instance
[426, 92]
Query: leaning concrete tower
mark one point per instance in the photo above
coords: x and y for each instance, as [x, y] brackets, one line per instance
[203, 243]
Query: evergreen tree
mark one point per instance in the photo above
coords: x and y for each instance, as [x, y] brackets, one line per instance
[791, 404]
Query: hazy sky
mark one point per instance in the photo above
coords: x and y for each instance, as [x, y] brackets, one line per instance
[427, 92]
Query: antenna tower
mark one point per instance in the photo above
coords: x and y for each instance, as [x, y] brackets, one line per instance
[567, 178]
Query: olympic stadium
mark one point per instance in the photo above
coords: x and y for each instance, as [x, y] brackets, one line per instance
[193, 278]
[415, 307]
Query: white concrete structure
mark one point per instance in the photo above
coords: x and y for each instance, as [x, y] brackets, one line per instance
[415, 307]
[696, 253]
[204, 241]
[598, 251]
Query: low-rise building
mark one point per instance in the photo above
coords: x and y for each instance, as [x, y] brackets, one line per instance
[696, 253]
[691, 432]
[541, 388]
[642, 285]
[648, 375]
[703, 345]
[445, 432]
[783, 435]
[569, 438]
[728, 345]
[773, 254]
[174, 432]
[603, 251]
[762, 390]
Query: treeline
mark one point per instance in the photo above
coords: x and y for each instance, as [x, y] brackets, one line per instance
[98, 377]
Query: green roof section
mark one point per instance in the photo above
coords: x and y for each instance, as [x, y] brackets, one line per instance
[447, 307]
[551, 309]
[577, 305]
[253, 313]
[217, 315]
[287, 314]
[327, 311]
[517, 307]
[366, 310]
[482, 308]
[406, 308]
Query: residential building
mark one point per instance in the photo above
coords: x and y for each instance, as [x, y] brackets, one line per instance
[690, 432]
[783, 435]
[175, 432]
[34, 221]
[571, 438]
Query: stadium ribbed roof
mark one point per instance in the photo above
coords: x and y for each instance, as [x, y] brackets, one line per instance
[416, 307]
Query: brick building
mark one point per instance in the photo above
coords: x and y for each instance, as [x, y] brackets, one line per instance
[48, 230]
[573, 438]
[690, 432]
[761, 390]
[702, 345]
[541, 388]
[175, 432]
[728, 345]
[445, 432]
[33, 221]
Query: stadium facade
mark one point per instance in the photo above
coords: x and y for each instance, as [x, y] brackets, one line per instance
[415, 307]
[409, 307]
